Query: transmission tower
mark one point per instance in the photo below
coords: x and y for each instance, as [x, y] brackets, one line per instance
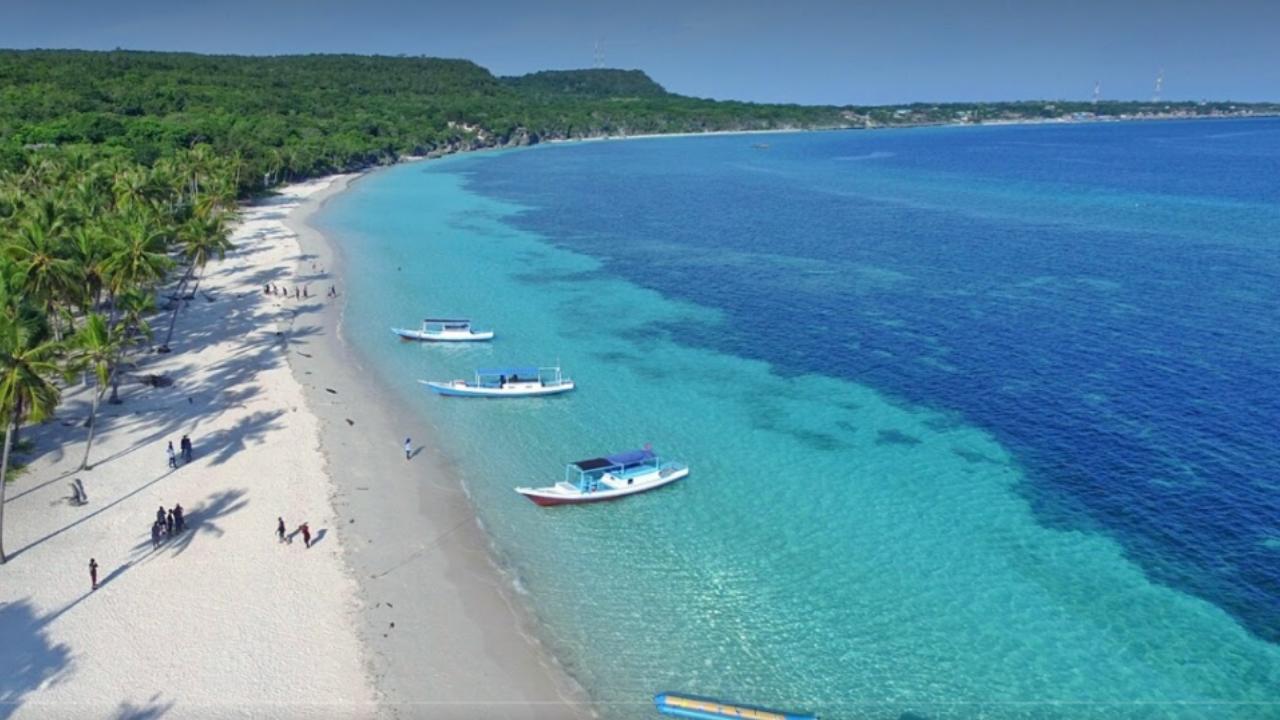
[1155, 96]
[1097, 91]
[597, 58]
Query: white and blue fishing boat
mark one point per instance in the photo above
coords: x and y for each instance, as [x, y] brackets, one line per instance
[608, 478]
[444, 330]
[506, 382]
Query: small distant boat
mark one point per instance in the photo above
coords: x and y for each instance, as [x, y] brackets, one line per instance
[443, 330]
[506, 382]
[690, 706]
[608, 478]
[761, 146]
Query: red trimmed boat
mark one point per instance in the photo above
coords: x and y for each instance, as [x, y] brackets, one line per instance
[608, 478]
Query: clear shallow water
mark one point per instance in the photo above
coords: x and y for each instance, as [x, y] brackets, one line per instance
[982, 421]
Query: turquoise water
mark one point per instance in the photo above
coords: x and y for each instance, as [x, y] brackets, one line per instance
[853, 541]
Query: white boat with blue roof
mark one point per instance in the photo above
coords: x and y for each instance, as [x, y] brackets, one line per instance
[444, 330]
[506, 382]
[608, 478]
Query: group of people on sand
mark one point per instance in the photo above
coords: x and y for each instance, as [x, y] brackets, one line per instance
[298, 292]
[185, 448]
[304, 530]
[167, 525]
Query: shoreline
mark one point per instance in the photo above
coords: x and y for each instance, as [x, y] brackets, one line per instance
[471, 559]
[1101, 119]
[446, 587]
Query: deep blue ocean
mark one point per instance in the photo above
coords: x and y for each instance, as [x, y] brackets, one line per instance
[983, 421]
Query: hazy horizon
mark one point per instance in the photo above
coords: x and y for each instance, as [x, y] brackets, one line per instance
[812, 52]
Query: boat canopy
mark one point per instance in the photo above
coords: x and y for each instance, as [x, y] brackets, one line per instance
[622, 459]
[592, 464]
[530, 372]
[630, 457]
[447, 321]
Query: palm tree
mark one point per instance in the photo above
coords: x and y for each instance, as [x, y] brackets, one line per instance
[138, 187]
[27, 364]
[90, 248]
[134, 306]
[202, 238]
[140, 259]
[197, 164]
[219, 193]
[39, 253]
[96, 348]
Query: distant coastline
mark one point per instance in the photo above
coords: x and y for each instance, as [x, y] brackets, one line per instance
[482, 142]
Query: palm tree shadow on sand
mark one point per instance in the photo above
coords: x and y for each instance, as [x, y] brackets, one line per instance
[249, 429]
[29, 660]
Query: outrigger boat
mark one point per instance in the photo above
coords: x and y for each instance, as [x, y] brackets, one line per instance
[441, 330]
[608, 478]
[506, 382]
[699, 708]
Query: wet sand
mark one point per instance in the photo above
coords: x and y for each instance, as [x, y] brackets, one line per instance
[444, 634]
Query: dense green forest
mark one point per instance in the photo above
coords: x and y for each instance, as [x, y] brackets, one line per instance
[289, 117]
[282, 118]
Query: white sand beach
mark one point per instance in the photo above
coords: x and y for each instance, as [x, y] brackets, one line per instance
[223, 620]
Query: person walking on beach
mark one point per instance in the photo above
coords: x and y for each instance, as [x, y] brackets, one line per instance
[304, 291]
[155, 535]
[160, 515]
[408, 449]
[333, 291]
[280, 529]
[93, 573]
[297, 294]
[179, 522]
[185, 445]
[306, 534]
[168, 524]
[173, 457]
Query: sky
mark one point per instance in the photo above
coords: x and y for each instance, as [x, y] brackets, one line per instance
[803, 51]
